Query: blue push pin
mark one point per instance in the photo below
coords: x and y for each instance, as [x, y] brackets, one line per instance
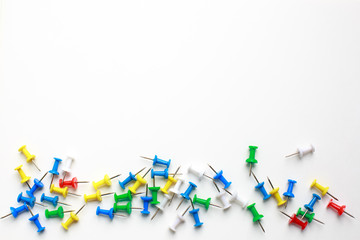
[195, 214]
[310, 205]
[109, 212]
[35, 219]
[261, 188]
[159, 161]
[54, 170]
[16, 211]
[187, 192]
[53, 200]
[26, 200]
[146, 201]
[130, 178]
[37, 185]
[220, 176]
[164, 173]
[289, 193]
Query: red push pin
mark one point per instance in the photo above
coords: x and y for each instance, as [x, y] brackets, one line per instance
[71, 183]
[339, 209]
[294, 220]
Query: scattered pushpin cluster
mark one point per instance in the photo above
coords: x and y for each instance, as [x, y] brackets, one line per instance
[159, 198]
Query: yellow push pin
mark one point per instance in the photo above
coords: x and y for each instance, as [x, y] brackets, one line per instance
[96, 196]
[24, 178]
[139, 182]
[106, 181]
[63, 191]
[170, 182]
[73, 218]
[28, 156]
[322, 189]
[275, 192]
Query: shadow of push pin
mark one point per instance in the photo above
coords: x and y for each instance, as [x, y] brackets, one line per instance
[63, 191]
[309, 216]
[158, 161]
[35, 220]
[146, 200]
[130, 178]
[16, 211]
[179, 219]
[275, 192]
[106, 181]
[37, 185]
[310, 206]
[53, 200]
[185, 195]
[289, 193]
[96, 196]
[140, 181]
[339, 209]
[195, 213]
[220, 176]
[251, 160]
[29, 157]
[322, 189]
[24, 178]
[161, 206]
[302, 151]
[294, 220]
[71, 183]
[73, 218]
[256, 215]
[261, 188]
[54, 170]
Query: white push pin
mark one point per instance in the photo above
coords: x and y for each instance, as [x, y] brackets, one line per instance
[162, 205]
[236, 198]
[221, 196]
[179, 219]
[198, 172]
[175, 190]
[302, 151]
[67, 166]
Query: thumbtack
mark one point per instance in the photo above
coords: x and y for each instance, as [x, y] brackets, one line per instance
[309, 216]
[294, 220]
[164, 173]
[205, 202]
[158, 161]
[221, 196]
[130, 178]
[24, 178]
[256, 215]
[302, 151]
[162, 205]
[71, 183]
[26, 200]
[63, 191]
[197, 172]
[35, 220]
[339, 209]
[310, 205]
[220, 176]
[289, 193]
[73, 218]
[29, 157]
[124, 208]
[67, 168]
[179, 219]
[175, 190]
[322, 189]
[261, 188]
[195, 213]
[58, 213]
[37, 185]
[106, 181]
[106, 212]
[154, 193]
[54, 170]
[96, 196]
[123, 197]
[251, 160]
[170, 182]
[236, 198]
[187, 192]
[16, 211]
[275, 192]
[139, 182]
[146, 201]
[53, 200]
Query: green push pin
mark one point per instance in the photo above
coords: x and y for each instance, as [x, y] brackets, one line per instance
[309, 216]
[256, 215]
[251, 160]
[205, 202]
[124, 208]
[58, 213]
[154, 192]
[123, 197]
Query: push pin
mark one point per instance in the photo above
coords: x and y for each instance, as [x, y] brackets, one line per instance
[106, 181]
[35, 220]
[54, 170]
[289, 193]
[63, 191]
[309, 216]
[236, 198]
[261, 188]
[58, 213]
[124, 208]
[339, 209]
[164, 173]
[162, 205]
[179, 219]
[220, 176]
[197, 172]
[28, 201]
[139, 182]
[170, 182]
[37, 185]
[130, 178]
[73, 218]
[256, 215]
[123, 197]
[158, 161]
[322, 189]
[154, 193]
[205, 202]
[221, 196]
[67, 168]
[146, 201]
[195, 213]
[24, 178]
[106, 212]
[302, 151]
[187, 192]
[29, 157]
[275, 192]
[251, 160]
[96, 196]
[53, 200]
[294, 220]
[310, 206]
[16, 211]
[175, 190]
[71, 183]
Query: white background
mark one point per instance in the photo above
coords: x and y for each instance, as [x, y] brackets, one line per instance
[194, 81]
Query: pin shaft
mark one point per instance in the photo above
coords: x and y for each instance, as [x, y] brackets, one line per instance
[6, 216]
[36, 165]
[332, 196]
[212, 168]
[115, 176]
[80, 209]
[183, 212]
